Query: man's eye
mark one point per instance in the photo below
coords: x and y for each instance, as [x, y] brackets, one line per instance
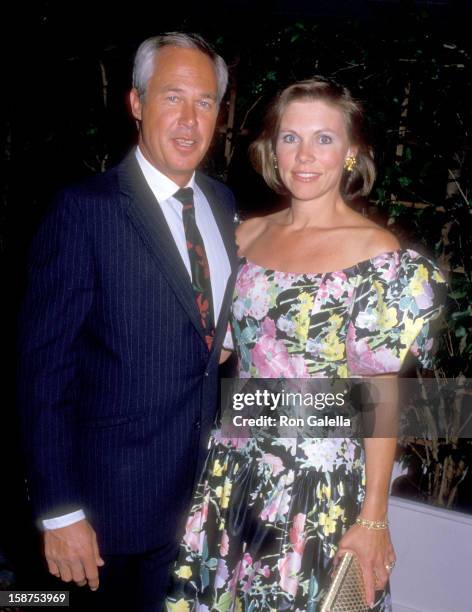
[325, 139]
[173, 98]
[205, 104]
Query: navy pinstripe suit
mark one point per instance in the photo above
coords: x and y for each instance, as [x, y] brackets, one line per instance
[117, 388]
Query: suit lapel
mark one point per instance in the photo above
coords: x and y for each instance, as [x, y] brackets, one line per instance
[147, 218]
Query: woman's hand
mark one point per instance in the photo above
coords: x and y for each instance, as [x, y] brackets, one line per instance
[374, 550]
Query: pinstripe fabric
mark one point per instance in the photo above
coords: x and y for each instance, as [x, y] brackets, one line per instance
[117, 388]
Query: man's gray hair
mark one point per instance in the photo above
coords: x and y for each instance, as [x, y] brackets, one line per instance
[148, 50]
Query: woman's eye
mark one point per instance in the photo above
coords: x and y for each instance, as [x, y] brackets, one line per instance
[288, 138]
[325, 139]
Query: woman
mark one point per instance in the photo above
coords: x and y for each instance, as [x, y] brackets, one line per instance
[321, 292]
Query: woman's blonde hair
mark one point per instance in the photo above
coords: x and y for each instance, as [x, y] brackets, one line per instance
[262, 151]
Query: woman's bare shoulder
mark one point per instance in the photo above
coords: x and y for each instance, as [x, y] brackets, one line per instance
[248, 231]
[381, 241]
[375, 238]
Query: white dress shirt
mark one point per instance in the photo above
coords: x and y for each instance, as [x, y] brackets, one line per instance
[163, 189]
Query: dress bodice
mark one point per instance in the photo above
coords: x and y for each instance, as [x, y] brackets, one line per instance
[361, 320]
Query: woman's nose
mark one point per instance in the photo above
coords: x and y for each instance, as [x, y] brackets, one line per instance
[305, 153]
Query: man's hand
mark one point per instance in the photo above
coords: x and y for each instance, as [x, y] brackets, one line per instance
[72, 554]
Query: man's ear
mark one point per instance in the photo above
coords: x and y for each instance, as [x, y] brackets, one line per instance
[135, 103]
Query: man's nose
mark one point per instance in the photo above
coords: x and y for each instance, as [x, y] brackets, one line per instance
[188, 116]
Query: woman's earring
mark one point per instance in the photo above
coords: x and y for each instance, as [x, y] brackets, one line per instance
[274, 160]
[350, 163]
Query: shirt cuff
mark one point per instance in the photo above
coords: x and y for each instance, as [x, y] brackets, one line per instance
[64, 520]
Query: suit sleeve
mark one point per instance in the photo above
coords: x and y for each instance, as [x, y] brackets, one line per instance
[57, 302]
[231, 201]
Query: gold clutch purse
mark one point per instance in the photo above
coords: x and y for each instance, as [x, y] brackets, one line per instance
[346, 592]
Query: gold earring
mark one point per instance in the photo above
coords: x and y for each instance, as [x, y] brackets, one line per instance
[274, 160]
[350, 163]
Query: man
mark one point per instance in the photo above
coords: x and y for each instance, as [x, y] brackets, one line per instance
[120, 336]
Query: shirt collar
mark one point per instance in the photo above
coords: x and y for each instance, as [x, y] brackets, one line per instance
[161, 185]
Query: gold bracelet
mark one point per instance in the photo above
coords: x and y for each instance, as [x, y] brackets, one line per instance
[372, 524]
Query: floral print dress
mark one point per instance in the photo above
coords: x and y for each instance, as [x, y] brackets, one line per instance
[268, 512]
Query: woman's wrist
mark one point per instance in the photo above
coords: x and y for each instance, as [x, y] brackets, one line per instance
[374, 510]
[368, 524]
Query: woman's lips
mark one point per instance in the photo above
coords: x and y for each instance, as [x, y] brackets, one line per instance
[306, 177]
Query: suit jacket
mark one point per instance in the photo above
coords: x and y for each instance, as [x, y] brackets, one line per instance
[118, 390]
